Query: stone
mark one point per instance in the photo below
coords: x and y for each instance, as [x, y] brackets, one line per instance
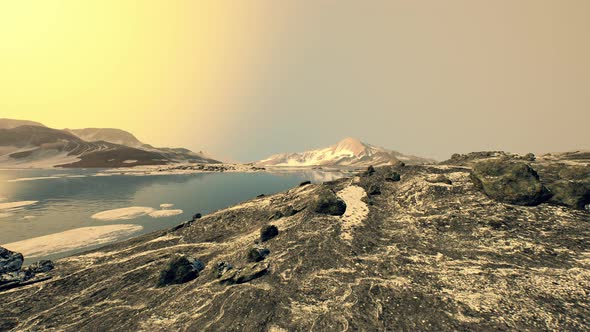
[257, 254]
[179, 270]
[370, 171]
[374, 189]
[304, 183]
[248, 273]
[575, 194]
[393, 177]
[10, 261]
[43, 266]
[509, 182]
[325, 201]
[440, 179]
[268, 232]
[222, 268]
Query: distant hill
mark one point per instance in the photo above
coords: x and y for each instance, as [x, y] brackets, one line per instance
[348, 152]
[111, 135]
[36, 146]
[11, 123]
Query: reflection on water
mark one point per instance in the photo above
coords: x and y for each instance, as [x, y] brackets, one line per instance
[68, 198]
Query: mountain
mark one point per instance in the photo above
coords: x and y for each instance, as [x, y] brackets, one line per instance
[348, 152]
[116, 136]
[31, 146]
[430, 252]
[11, 123]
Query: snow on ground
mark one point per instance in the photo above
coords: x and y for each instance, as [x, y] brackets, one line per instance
[123, 213]
[356, 210]
[166, 205]
[165, 213]
[72, 239]
[14, 205]
[33, 179]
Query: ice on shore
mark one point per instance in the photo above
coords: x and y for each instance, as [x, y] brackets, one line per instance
[165, 213]
[15, 205]
[72, 239]
[123, 213]
[166, 205]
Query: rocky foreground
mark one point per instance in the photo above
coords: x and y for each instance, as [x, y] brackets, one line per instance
[485, 242]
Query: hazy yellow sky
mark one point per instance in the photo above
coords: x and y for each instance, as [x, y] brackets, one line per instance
[244, 79]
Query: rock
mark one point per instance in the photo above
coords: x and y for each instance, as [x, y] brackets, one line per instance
[289, 211]
[43, 266]
[276, 215]
[575, 194]
[326, 201]
[370, 171]
[246, 274]
[10, 261]
[178, 271]
[257, 254]
[261, 195]
[529, 157]
[304, 183]
[222, 268]
[393, 177]
[268, 232]
[509, 182]
[374, 189]
[196, 216]
[440, 179]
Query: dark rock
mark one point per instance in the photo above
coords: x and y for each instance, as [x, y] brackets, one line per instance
[574, 194]
[260, 196]
[268, 232]
[370, 171]
[257, 254]
[289, 211]
[374, 189]
[222, 268]
[276, 215]
[440, 179]
[393, 177]
[43, 266]
[178, 271]
[326, 201]
[529, 157]
[10, 261]
[197, 216]
[245, 274]
[304, 183]
[509, 182]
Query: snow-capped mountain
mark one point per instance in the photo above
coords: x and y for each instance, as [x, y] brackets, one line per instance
[348, 152]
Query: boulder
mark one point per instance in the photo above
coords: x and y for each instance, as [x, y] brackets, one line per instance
[509, 182]
[304, 183]
[43, 266]
[393, 177]
[575, 194]
[374, 189]
[248, 273]
[180, 270]
[440, 179]
[257, 254]
[222, 268]
[10, 261]
[325, 201]
[268, 232]
[370, 171]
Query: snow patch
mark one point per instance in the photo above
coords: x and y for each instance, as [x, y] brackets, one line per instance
[34, 179]
[72, 239]
[14, 205]
[166, 205]
[356, 210]
[165, 213]
[123, 213]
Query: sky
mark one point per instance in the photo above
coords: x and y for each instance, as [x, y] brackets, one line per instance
[246, 79]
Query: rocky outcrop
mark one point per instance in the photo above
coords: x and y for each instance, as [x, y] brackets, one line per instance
[10, 261]
[325, 201]
[509, 182]
[13, 275]
[180, 270]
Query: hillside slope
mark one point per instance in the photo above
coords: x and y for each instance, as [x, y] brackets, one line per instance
[422, 251]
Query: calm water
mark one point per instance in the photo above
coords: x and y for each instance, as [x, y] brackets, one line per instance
[66, 202]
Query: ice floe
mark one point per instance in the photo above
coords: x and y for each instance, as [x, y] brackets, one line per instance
[72, 240]
[123, 213]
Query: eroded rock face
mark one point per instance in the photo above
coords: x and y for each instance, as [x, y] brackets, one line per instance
[509, 182]
[10, 261]
[326, 201]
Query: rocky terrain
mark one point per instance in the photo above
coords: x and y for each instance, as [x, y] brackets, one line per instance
[349, 152]
[485, 242]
